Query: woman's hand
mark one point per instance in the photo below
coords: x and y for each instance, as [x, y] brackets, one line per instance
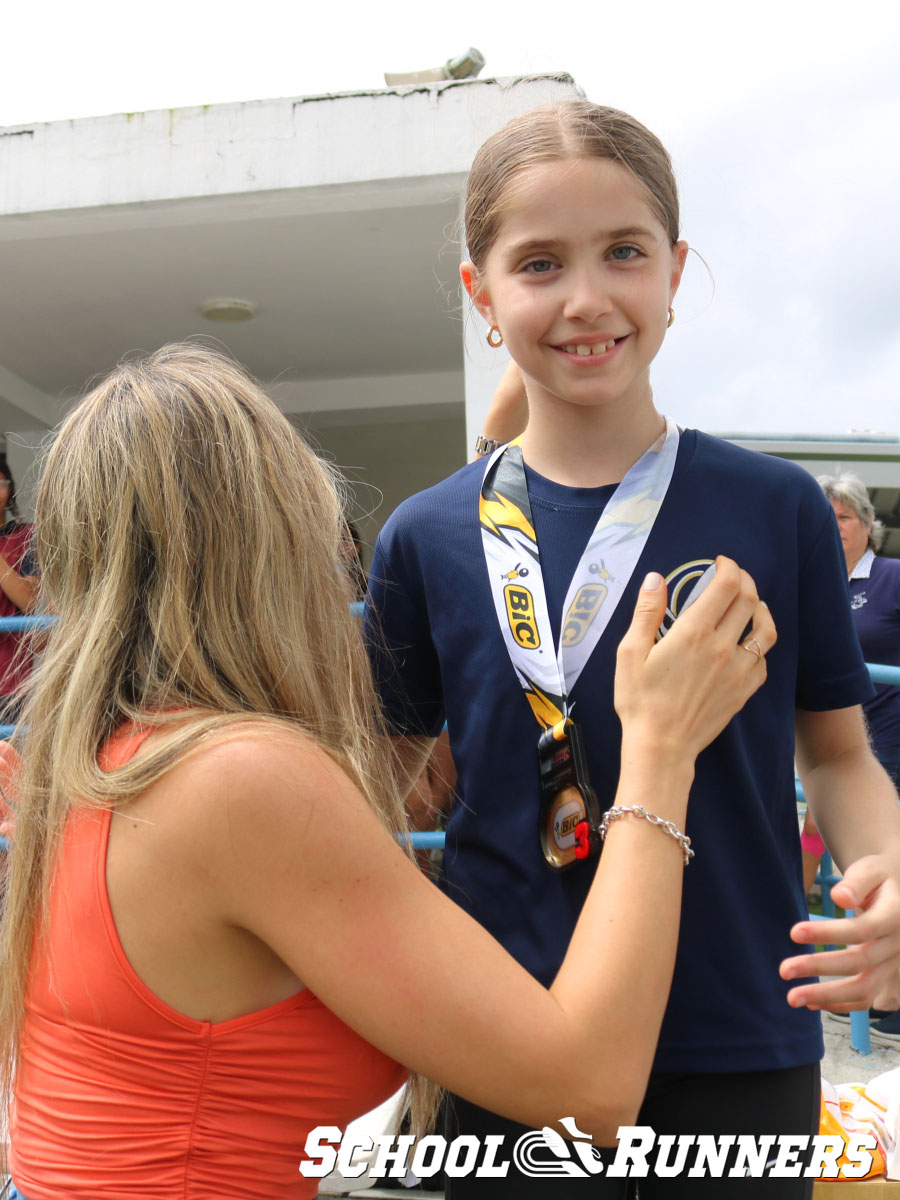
[683, 690]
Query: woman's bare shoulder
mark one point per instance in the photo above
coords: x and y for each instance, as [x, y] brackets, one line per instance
[252, 737]
[261, 752]
[259, 775]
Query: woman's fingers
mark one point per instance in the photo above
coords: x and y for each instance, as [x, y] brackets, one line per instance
[730, 604]
[649, 611]
[727, 592]
[763, 635]
[690, 684]
[711, 628]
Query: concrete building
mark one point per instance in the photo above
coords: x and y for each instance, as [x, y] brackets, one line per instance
[336, 218]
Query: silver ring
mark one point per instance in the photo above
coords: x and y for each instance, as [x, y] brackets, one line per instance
[753, 646]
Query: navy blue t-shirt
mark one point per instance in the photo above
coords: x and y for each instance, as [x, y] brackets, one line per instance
[875, 603]
[430, 600]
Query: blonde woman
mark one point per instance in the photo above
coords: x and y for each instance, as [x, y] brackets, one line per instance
[212, 941]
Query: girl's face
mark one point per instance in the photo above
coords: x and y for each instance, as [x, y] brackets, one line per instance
[579, 281]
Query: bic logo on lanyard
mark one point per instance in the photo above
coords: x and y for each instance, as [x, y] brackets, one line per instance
[582, 611]
[520, 611]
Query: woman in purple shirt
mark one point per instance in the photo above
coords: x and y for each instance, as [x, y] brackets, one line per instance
[875, 604]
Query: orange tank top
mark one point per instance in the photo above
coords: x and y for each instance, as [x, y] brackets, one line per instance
[118, 1095]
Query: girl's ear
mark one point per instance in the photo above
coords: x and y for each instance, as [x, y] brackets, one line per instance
[679, 257]
[473, 284]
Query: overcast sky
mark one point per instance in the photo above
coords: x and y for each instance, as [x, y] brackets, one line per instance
[783, 120]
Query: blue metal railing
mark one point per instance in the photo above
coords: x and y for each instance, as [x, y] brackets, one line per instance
[881, 673]
[420, 841]
[17, 624]
[427, 841]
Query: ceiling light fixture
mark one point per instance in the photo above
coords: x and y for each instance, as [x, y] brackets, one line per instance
[228, 310]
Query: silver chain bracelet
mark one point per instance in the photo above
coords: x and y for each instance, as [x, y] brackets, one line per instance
[669, 827]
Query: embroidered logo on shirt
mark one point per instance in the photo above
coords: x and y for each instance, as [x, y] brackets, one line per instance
[680, 584]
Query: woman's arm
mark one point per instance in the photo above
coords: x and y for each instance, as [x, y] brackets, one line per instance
[508, 414]
[411, 758]
[317, 879]
[855, 806]
[21, 589]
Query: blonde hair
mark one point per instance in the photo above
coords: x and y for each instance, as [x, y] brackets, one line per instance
[552, 132]
[190, 541]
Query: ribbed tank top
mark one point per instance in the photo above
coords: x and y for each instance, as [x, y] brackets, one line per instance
[118, 1095]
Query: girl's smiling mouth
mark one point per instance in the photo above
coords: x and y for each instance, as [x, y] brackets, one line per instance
[588, 349]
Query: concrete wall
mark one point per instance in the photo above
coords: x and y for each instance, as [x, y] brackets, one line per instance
[301, 144]
[385, 462]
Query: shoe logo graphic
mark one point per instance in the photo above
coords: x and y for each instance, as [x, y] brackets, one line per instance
[544, 1154]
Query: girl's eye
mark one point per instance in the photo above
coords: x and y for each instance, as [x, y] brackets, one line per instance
[624, 253]
[539, 266]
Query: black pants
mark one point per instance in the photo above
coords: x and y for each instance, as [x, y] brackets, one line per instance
[755, 1103]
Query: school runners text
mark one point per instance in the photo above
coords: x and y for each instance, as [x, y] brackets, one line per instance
[546, 1154]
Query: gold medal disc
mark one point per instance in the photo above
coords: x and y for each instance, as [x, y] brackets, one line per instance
[562, 814]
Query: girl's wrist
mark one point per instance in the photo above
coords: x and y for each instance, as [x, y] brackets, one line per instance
[485, 444]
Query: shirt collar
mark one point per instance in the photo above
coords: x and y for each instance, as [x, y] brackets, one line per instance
[863, 568]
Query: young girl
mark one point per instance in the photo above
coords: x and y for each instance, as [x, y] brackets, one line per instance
[211, 940]
[505, 590]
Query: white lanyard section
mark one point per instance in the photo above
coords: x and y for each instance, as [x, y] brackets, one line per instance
[600, 579]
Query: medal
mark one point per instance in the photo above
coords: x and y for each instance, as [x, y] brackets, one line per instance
[569, 811]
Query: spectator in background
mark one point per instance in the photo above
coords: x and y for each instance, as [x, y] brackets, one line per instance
[18, 590]
[875, 605]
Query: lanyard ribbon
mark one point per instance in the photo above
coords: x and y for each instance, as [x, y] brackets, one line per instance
[603, 571]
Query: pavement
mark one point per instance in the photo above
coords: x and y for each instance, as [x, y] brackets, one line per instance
[843, 1064]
